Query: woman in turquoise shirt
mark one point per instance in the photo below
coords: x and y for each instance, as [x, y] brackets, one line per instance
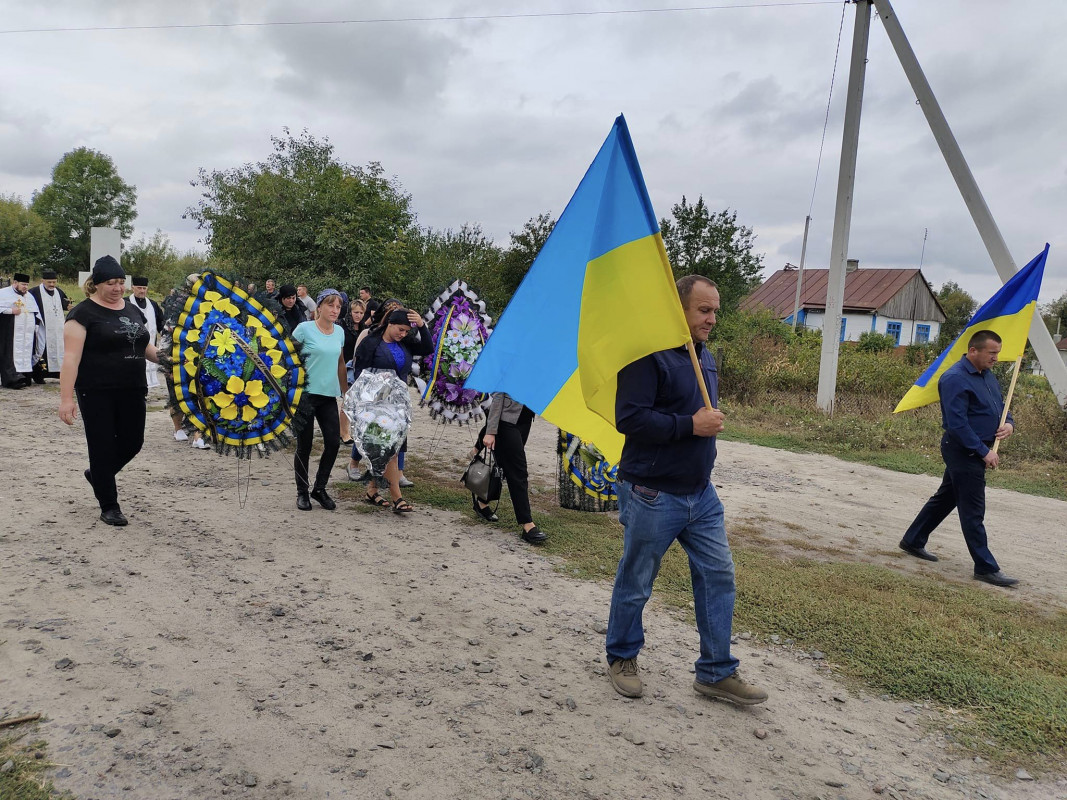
[321, 344]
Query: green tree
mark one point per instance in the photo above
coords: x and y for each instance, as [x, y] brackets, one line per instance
[165, 267]
[959, 307]
[25, 238]
[436, 258]
[302, 216]
[86, 192]
[525, 244]
[1055, 315]
[714, 245]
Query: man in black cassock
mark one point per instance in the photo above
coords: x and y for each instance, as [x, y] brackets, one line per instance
[153, 315]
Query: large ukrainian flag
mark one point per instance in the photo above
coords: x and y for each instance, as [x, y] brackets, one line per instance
[599, 296]
[1007, 313]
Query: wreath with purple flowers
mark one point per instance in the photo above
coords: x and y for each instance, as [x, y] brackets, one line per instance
[459, 327]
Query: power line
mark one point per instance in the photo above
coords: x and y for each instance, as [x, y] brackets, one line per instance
[387, 20]
[826, 120]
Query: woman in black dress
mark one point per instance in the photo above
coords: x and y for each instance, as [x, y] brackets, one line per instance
[106, 344]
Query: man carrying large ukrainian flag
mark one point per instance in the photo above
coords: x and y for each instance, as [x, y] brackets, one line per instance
[596, 341]
[973, 415]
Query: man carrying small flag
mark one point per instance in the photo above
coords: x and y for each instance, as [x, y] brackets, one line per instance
[973, 415]
[971, 408]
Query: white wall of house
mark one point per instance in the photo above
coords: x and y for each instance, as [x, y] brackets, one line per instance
[858, 324]
[908, 328]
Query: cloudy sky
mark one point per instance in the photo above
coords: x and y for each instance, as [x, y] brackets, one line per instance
[492, 121]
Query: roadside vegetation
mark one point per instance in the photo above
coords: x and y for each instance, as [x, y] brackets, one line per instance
[28, 761]
[769, 376]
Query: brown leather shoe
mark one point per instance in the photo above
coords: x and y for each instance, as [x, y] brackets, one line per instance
[624, 677]
[734, 689]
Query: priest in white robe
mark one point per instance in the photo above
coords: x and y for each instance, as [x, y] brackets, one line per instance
[53, 304]
[20, 347]
[153, 315]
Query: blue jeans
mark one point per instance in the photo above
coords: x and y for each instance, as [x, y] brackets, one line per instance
[652, 521]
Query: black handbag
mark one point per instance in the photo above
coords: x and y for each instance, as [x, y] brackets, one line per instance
[484, 477]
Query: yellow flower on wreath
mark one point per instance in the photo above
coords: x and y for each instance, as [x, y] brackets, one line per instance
[222, 341]
[253, 390]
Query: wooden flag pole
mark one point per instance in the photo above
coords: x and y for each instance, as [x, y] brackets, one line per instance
[700, 374]
[1007, 400]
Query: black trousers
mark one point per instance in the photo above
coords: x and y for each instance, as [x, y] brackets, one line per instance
[8, 375]
[324, 409]
[114, 430]
[510, 453]
[963, 489]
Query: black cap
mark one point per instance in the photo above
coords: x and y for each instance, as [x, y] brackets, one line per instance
[20, 277]
[106, 269]
[49, 275]
[140, 280]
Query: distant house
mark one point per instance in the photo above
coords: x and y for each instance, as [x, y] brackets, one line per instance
[1061, 348]
[898, 302]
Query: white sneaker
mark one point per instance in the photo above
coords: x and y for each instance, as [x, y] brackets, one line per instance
[181, 436]
[200, 444]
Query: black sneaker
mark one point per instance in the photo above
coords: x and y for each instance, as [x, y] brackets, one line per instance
[323, 499]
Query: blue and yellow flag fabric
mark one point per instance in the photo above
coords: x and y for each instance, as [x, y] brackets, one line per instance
[1008, 313]
[599, 296]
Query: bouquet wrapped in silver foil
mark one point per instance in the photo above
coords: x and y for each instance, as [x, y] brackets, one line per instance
[379, 408]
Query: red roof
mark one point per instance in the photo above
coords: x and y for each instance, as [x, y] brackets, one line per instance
[865, 289]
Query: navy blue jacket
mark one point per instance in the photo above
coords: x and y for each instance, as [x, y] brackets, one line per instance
[655, 401]
[971, 406]
[374, 353]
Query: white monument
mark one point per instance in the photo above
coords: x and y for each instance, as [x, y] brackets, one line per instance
[102, 242]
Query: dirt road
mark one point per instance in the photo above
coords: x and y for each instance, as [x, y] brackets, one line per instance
[210, 649]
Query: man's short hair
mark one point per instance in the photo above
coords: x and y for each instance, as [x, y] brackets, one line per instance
[981, 337]
[685, 286]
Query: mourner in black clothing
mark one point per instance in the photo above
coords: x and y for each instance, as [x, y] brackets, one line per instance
[293, 311]
[506, 430]
[106, 343]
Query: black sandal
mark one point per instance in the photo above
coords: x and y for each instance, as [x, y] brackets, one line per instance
[402, 506]
[376, 500]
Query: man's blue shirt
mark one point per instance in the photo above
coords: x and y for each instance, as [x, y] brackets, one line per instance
[971, 406]
[655, 401]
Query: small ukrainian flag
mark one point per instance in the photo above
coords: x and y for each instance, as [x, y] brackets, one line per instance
[1008, 313]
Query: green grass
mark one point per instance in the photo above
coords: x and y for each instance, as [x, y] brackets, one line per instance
[24, 782]
[1000, 662]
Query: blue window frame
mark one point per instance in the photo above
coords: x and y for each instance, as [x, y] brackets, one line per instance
[922, 334]
[843, 320]
[893, 329]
